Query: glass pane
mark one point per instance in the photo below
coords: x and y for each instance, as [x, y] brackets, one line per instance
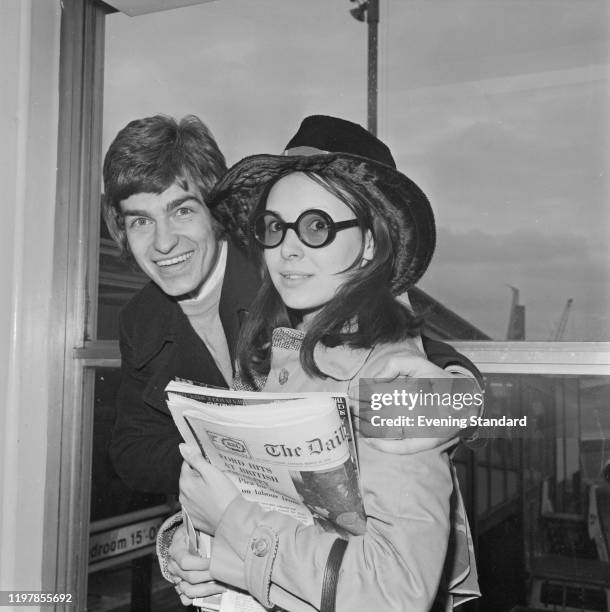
[132, 586]
[497, 109]
[500, 110]
[109, 496]
[543, 491]
[124, 523]
[119, 279]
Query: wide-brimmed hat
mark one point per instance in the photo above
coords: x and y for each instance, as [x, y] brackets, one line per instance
[337, 147]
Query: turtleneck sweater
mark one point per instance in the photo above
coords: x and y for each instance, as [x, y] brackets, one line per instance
[203, 314]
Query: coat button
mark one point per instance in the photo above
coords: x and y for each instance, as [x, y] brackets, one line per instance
[283, 376]
[260, 547]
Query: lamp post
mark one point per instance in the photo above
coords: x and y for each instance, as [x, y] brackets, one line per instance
[370, 8]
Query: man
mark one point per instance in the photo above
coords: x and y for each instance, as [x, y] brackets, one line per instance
[158, 174]
[157, 177]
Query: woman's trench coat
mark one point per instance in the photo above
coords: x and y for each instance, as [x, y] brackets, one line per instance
[417, 546]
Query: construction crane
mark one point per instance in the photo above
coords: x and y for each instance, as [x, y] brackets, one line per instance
[563, 321]
[516, 319]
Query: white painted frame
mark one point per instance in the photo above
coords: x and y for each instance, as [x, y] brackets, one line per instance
[65, 545]
[557, 358]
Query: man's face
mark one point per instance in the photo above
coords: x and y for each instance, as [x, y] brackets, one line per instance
[171, 237]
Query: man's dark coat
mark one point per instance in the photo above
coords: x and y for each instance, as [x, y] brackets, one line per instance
[159, 344]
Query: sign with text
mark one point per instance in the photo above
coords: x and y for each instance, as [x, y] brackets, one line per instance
[121, 540]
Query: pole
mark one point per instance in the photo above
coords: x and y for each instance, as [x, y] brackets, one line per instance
[372, 19]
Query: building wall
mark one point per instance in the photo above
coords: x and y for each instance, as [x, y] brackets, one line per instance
[29, 77]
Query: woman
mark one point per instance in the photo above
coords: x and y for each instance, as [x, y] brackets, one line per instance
[341, 235]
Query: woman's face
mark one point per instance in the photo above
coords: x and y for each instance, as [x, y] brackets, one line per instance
[307, 278]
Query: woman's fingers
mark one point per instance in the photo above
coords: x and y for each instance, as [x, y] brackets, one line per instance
[192, 577]
[195, 460]
[187, 562]
[204, 589]
[189, 591]
[184, 600]
[180, 557]
[193, 583]
[186, 568]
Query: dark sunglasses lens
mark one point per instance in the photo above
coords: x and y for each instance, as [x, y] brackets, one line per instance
[314, 228]
[268, 230]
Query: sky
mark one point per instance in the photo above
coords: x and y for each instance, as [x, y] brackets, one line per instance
[497, 109]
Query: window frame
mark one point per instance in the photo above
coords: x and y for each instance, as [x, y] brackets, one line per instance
[65, 544]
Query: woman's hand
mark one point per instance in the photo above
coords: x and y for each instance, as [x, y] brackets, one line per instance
[205, 491]
[190, 573]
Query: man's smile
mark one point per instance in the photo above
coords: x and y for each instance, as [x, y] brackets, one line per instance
[174, 260]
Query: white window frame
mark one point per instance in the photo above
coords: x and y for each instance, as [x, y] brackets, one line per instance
[523, 357]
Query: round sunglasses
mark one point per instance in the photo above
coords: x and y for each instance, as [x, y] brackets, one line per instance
[315, 228]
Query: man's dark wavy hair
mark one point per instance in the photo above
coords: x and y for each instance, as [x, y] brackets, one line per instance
[148, 155]
[362, 313]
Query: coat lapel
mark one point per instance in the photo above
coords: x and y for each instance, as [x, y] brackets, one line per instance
[241, 282]
[183, 356]
[154, 325]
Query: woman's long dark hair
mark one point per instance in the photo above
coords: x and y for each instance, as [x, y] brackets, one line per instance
[362, 313]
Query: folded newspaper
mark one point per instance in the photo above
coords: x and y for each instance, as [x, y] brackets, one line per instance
[291, 453]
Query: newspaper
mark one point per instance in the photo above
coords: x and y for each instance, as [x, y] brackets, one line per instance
[291, 453]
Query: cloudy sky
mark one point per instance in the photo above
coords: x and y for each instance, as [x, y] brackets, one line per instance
[497, 109]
